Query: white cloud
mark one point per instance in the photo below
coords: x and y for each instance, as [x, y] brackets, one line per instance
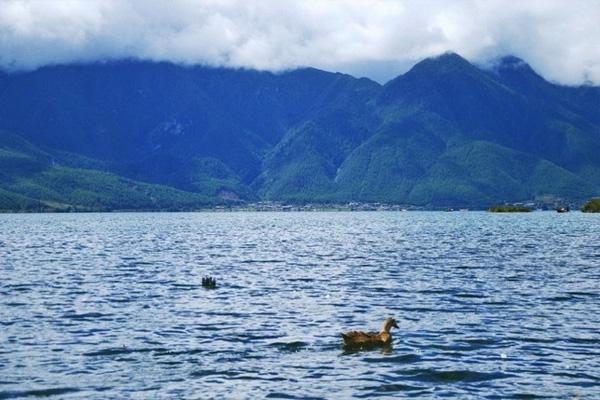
[376, 38]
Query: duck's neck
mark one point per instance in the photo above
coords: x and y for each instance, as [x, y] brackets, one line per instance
[386, 328]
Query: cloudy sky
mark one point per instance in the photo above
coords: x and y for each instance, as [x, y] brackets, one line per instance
[374, 38]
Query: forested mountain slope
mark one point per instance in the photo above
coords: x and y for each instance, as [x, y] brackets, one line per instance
[446, 133]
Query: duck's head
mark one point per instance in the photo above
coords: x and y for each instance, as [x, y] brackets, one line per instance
[389, 323]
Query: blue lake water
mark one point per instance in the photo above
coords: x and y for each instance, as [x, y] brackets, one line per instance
[494, 306]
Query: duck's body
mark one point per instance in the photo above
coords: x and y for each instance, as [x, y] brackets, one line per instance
[357, 338]
[370, 339]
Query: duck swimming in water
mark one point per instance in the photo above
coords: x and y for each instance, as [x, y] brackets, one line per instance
[357, 339]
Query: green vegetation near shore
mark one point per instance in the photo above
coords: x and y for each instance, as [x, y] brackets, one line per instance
[508, 208]
[592, 206]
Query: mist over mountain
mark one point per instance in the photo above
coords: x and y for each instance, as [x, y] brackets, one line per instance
[144, 135]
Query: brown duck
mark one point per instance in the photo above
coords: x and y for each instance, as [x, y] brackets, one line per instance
[371, 339]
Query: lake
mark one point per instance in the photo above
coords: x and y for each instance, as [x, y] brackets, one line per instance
[490, 306]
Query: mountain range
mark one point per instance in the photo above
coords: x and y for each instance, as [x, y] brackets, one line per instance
[158, 136]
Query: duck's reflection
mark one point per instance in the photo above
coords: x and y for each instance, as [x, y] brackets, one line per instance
[385, 349]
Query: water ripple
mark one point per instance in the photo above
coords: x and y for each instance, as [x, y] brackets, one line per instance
[489, 306]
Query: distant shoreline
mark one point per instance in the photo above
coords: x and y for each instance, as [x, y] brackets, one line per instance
[258, 210]
[275, 206]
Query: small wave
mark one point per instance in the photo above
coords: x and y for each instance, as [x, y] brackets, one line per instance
[301, 279]
[421, 309]
[122, 350]
[434, 291]
[155, 282]
[267, 261]
[205, 327]
[251, 337]
[231, 286]
[280, 395]
[429, 375]
[36, 393]
[559, 298]
[389, 388]
[212, 372]
[169, 363]
[290, 347]
[579, 375]
[228, 314]
[531, 340]
[469, 295]
[578, 383]
[583, 340]
[19, 287]
[481, 342]
[496, 303]
[255, 377]
[401, 359]
[160, 353]
[583, 294]
[453, 348]
[184, 286]
[121, 300]
[86, 316]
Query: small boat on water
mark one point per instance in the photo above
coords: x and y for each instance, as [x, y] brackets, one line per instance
[564, 209]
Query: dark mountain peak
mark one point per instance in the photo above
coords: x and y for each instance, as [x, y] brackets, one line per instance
[512, 64]
[519, 75]
[303, 72]
[448, 57]
[440, 65]
[448, 73]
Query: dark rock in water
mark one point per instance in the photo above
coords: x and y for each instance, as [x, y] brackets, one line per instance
[209, 282]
